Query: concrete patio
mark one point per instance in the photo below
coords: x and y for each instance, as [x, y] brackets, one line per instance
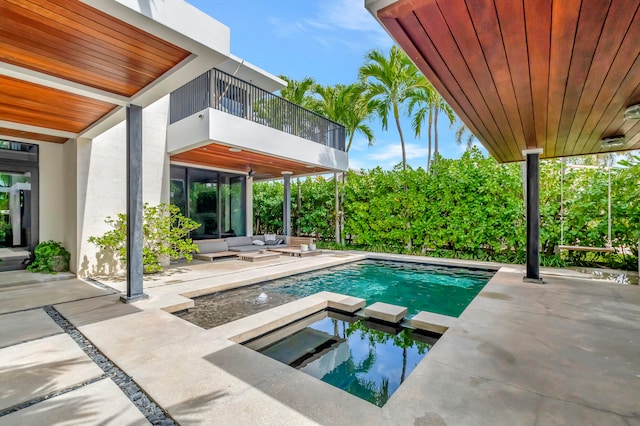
[565, 352]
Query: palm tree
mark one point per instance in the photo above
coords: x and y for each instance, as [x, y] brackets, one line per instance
[346, 105]
[441, 105]
[300, 92]
[429, 103]
[389, 80]
[422, 98]
[464, 136]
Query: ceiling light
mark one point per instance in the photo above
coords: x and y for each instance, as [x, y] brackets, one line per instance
[308, 166]
[613, 142]
[235, 149]
[632, 112]
[251, 173]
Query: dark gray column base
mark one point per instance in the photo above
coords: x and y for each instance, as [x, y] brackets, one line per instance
[533, 280]
[127, 299]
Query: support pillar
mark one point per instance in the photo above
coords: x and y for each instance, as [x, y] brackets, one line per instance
[533, 215]
[134, 205]
[286, 208]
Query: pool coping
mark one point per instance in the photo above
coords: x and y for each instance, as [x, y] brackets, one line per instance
[519, 354]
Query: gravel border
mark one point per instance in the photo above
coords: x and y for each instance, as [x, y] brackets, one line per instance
[153, 413]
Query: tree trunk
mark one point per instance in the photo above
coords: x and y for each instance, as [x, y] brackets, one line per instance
[404, 166]
[396, 115]
[337, 209]
[429, 122]
[435, 133]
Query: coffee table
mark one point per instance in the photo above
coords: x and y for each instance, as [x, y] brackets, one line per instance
[295, 251]
[255, 256]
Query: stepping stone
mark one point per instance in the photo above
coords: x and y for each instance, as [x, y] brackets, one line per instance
[386, 312]
[433, 322]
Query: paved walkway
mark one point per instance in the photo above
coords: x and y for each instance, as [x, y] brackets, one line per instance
[561, 353]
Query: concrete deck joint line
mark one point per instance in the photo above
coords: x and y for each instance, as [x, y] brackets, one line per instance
[153, 412]
[29, 403]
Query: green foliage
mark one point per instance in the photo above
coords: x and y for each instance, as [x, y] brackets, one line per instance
[165, 235]
[470, 208]
[50, 257]
[268, 200]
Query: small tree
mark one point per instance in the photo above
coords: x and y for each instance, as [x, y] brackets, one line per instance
[165, 233]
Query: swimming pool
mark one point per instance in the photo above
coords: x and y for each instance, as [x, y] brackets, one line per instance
[366, 359]
[419, 287]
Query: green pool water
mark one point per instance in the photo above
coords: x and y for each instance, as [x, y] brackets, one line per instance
[419, 287]
[366, 359]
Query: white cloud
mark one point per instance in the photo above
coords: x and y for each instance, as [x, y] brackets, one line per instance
[332, 20]
[357, 164]
[393, 152]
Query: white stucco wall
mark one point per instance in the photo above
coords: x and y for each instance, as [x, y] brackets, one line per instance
[52, 192]
[101, 180]
[211, 125]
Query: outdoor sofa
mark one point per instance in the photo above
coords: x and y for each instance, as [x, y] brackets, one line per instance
[234, 246]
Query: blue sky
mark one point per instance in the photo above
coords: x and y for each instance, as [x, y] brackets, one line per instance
[326, 40]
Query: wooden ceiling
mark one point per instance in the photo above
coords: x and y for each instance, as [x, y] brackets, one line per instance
[547, 74]
[69, 40]
[31, 104]
[19, 134]
[266, 167]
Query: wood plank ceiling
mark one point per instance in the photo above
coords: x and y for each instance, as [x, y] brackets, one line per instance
[265, 167]
[70, 40]
[547, 74]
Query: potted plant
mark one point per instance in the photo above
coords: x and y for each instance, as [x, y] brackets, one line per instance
[165, 234]
[50, 257]
[304, 247]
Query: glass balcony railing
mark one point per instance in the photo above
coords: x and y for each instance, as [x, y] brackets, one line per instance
[224, 92]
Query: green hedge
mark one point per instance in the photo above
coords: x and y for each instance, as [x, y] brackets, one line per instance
[469, 208]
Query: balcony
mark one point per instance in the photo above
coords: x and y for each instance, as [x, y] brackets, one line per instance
[224, 92]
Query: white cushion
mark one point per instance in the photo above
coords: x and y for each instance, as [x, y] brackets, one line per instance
[269, 237]
[257, 243]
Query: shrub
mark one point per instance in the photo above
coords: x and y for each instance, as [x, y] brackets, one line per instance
[165, 234]
[50, 257]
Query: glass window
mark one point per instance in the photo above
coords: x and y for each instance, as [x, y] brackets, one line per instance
[215, 200]
[203, 202]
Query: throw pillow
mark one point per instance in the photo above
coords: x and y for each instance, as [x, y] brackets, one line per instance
[279, 242]
[269, 237]
[271, 242]
[257, 243]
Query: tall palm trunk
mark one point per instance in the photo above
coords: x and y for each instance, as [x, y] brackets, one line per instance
[404, 167]
[435, 131]
[396, 115]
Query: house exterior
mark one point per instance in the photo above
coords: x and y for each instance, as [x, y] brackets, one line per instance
[128, 101]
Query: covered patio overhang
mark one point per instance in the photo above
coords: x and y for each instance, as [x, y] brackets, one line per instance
[73, 69]
[531, 79]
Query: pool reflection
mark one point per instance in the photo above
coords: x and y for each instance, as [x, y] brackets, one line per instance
[367, 359]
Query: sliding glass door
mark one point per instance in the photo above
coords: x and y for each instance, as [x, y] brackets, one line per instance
[18, 203]
[215, 200]
[15, 209]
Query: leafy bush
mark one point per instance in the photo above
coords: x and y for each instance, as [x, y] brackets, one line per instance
[165, 234]
[50, 257]
[471, 208]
